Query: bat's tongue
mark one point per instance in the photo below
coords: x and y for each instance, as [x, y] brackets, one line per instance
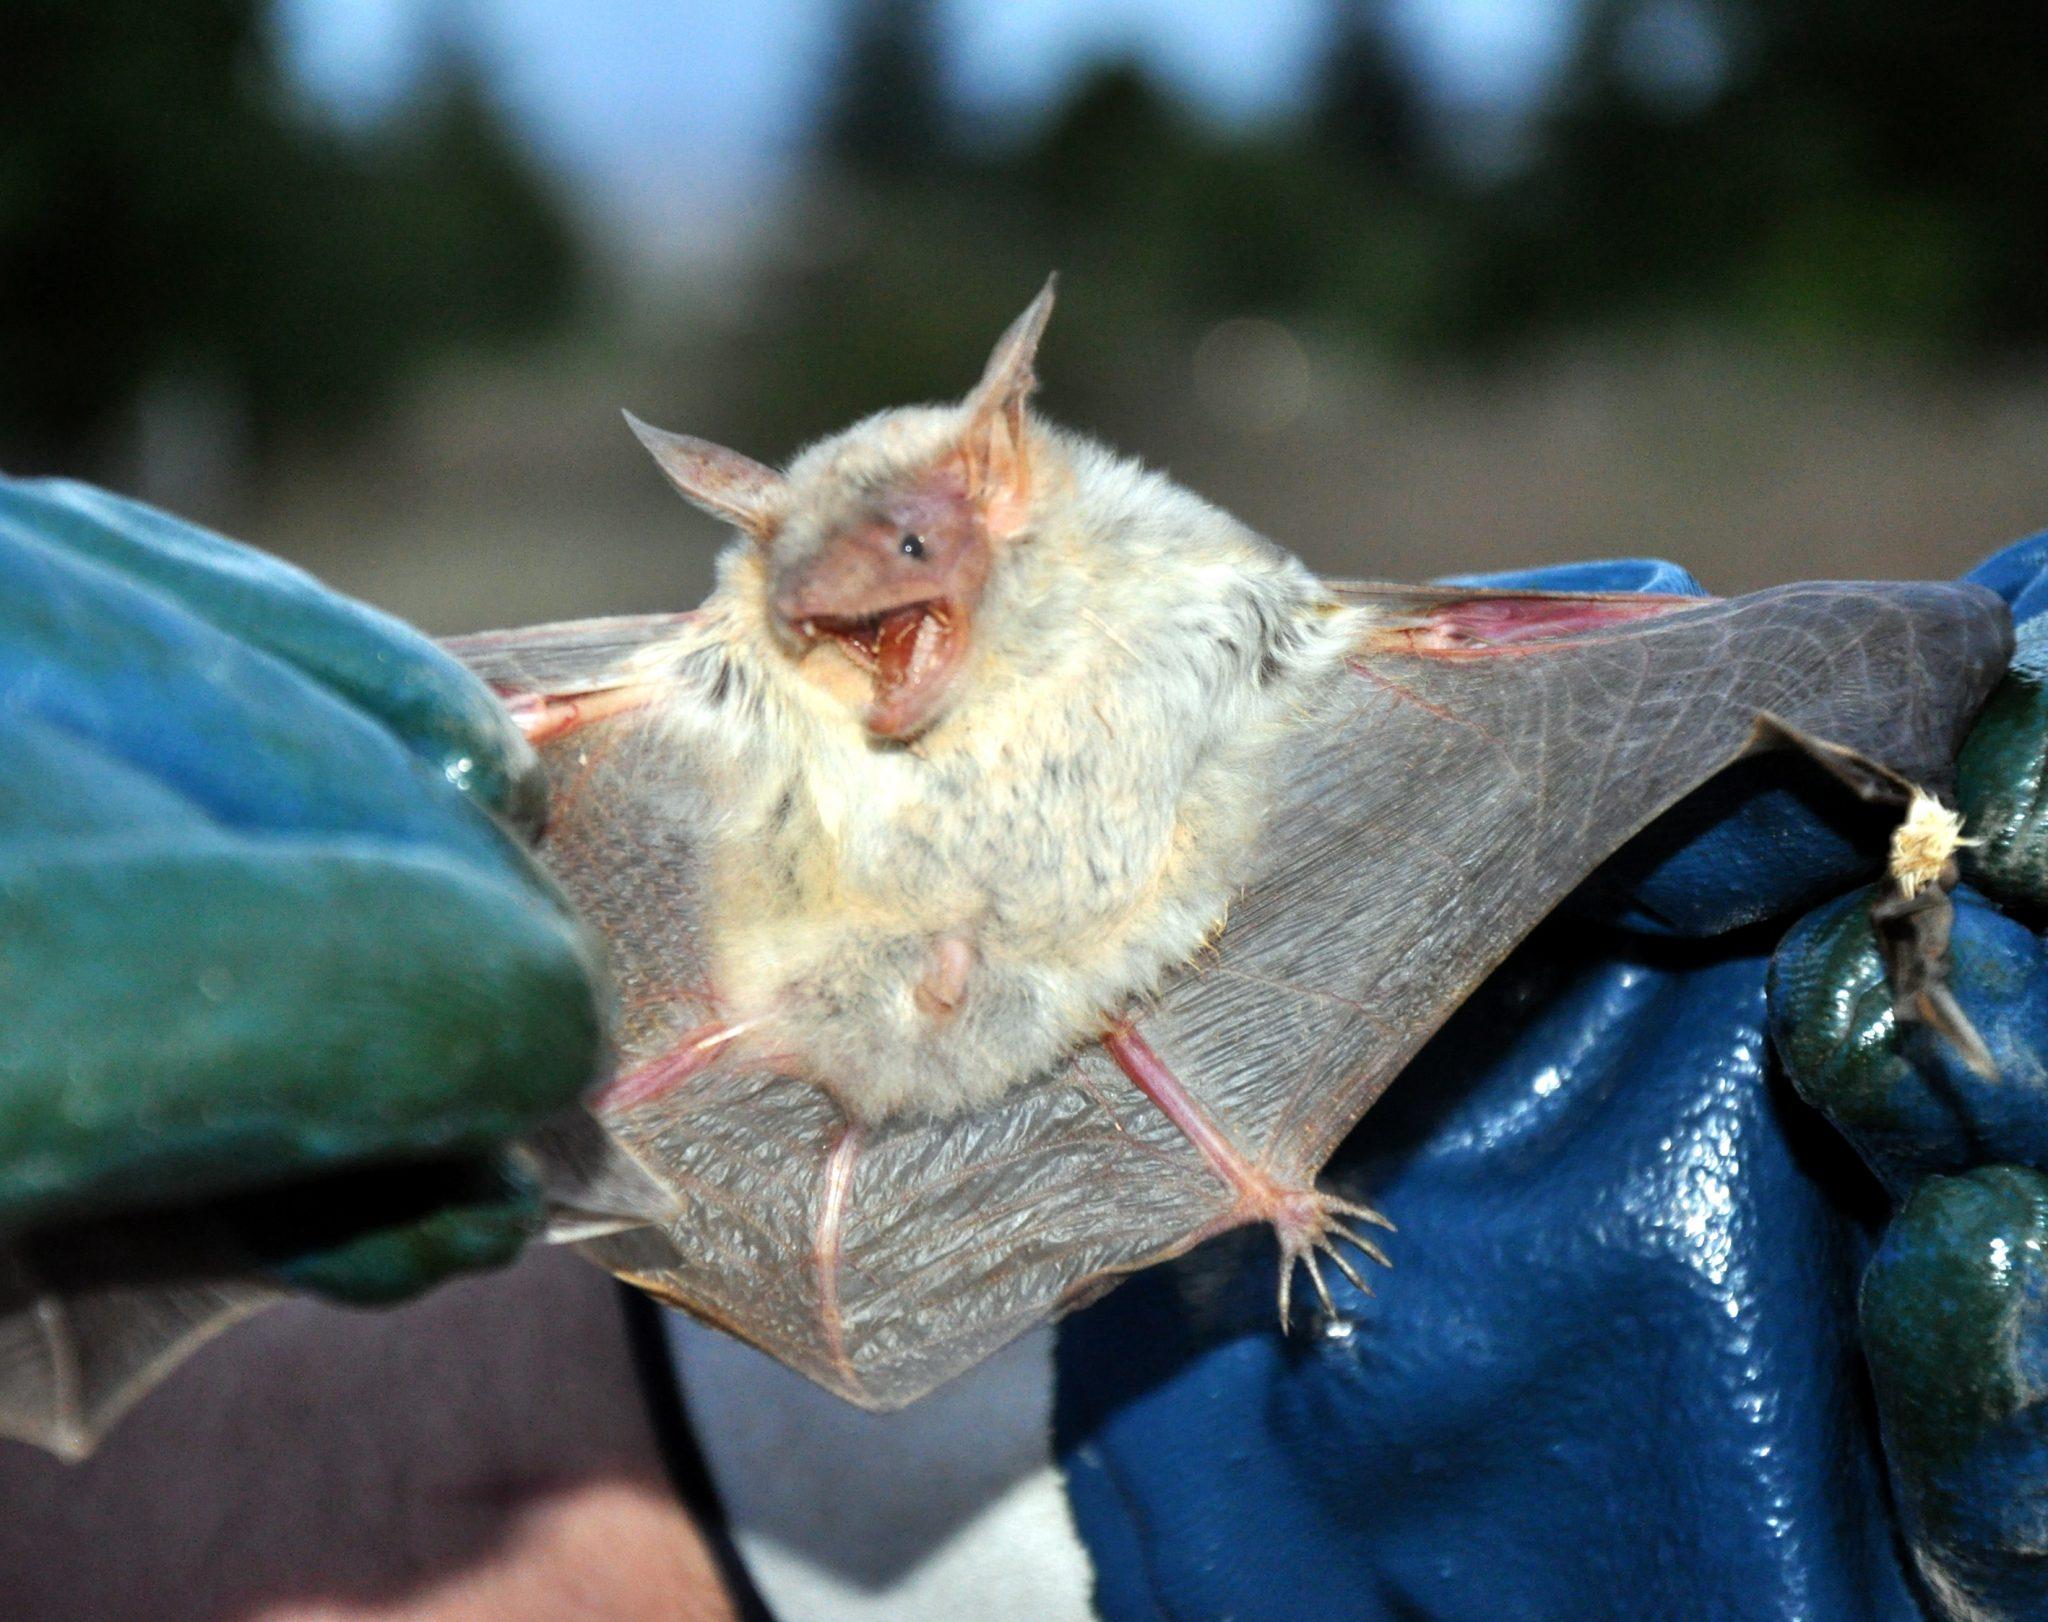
[909, 649]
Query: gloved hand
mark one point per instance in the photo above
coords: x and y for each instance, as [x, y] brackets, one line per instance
[1617, 1368]
[1954, 1307]
[269, 947]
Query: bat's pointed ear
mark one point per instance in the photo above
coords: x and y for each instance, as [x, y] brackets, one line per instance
[994, 444]
[724, 483]
[1008, 379]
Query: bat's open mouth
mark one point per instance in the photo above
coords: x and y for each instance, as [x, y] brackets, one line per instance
[910, 651]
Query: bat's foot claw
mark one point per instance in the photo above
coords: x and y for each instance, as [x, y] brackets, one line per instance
[1311, 1225]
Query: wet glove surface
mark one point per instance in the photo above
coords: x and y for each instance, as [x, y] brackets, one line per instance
[1954, 1307]
[1617, 1369]
[269, 929]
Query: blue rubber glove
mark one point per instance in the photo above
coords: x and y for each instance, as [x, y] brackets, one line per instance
[1617, 1369]
[265, 917]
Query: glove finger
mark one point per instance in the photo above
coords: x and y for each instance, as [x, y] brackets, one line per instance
[2019, 574]
[2002, 779]
[1903, 1096]
[1955, 1329]
[1601, 574]
[55, 787]
[377, 664]
[183, 1018]
[234, 731]
[381, 1234]
[1772, 835]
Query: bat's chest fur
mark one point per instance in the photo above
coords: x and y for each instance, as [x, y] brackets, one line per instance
[1040, 846]
[922, 928]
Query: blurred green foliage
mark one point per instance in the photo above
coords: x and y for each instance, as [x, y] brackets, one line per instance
[1846, 175]
[166, 211]
[1816, 174]
[1862, 170]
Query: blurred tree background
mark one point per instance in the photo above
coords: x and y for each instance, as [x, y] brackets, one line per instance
[1754, 281]
[1834, 175]
[169, 220]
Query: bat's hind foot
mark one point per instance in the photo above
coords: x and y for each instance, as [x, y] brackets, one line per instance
[1310, 1225]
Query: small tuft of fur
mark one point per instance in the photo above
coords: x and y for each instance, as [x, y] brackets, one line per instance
[1924, 843]
[1079, 817]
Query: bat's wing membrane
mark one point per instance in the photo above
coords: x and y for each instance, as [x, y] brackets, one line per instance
[573, 656]
[1487, 751]
[1493, 749]
[91, 1318]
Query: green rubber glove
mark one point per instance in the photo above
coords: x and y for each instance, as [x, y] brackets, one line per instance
[1954, 1308]
[270, 947]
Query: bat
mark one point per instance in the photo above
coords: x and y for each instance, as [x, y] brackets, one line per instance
[905, 1110]
[1018, 871]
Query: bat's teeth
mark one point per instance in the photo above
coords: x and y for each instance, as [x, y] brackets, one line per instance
[930, 632]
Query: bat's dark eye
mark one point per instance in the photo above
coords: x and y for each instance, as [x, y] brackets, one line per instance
[911, 546]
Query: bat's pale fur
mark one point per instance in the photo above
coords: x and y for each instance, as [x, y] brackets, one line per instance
[1072, 826]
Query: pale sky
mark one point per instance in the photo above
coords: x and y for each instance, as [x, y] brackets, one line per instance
[664, 111]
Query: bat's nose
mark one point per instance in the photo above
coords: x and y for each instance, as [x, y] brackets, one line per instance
[792, 629]
[791, 602]
[838, 583]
